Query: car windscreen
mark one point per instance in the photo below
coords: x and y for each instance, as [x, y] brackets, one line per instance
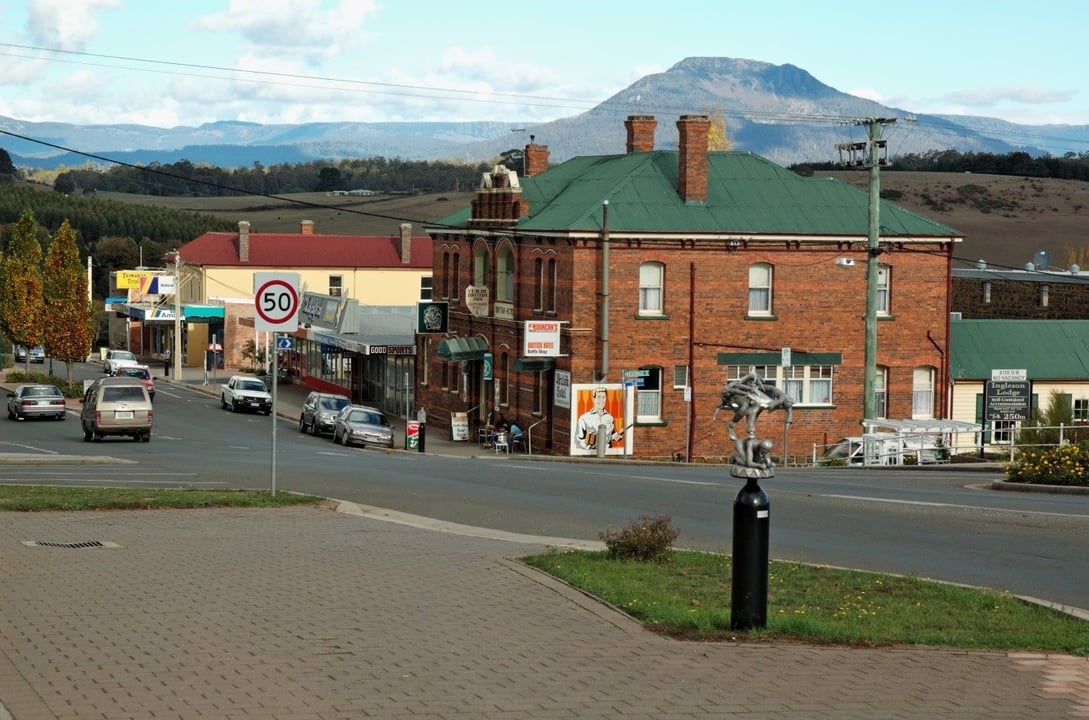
[135, 372]
[333, 403]
[367, 417]
[256, 385]
[123, 394]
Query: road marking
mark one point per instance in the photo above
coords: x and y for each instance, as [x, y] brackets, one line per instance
[30, 447]
[953, 506]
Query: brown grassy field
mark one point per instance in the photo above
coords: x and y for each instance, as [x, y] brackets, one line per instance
[1005, 219]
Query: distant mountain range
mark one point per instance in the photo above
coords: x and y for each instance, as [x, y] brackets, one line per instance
[780, 112]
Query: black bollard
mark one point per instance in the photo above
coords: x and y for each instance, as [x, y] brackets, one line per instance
[749, 594]
[423, 436]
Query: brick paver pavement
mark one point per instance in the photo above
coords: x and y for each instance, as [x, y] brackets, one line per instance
[308, 614]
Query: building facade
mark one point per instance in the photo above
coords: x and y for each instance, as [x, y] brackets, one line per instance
[626, 290]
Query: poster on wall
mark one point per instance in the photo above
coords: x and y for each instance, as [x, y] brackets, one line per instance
[592, 407]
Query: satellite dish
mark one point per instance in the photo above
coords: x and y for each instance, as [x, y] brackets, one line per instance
[1041, 260]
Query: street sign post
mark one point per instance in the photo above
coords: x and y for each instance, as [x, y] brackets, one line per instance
[276, 300]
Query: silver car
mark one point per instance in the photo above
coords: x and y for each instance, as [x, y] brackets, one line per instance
[43, 401]
[320, 410]
[362, 425]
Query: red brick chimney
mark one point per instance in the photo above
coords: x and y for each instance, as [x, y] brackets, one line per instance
[243, 241]
[692, 144]
[499, 200]
[306, 227]
[536, 158]
[640, 132]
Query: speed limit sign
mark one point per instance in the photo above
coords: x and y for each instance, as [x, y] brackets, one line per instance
[276, 300]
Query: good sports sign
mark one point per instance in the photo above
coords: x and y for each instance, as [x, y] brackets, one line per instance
[276, 300]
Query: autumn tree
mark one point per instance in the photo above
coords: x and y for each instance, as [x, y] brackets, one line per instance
[717, 139]
[69, 325]
[21, 294]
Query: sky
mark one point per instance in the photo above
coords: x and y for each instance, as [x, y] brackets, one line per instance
[166, 64]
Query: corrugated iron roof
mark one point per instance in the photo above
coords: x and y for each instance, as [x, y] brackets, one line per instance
[296, 250]
[746, 194]
[1047, 349]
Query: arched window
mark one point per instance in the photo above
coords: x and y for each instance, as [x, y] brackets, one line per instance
[480, 266]
[651, 281]
[504, 270]
[760, 276]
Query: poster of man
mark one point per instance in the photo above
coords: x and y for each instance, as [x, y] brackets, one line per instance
[596, 407]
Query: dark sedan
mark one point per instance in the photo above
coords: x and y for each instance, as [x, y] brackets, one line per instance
[43, 401]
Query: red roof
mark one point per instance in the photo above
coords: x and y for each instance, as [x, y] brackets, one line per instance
[296, 250]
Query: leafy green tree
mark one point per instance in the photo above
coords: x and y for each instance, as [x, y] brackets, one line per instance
[22, 302]
[7, 167]
[69, 325]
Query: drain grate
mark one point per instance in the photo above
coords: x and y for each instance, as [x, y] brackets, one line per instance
[75, 545]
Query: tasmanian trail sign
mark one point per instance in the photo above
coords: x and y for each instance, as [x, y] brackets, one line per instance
[276, 301]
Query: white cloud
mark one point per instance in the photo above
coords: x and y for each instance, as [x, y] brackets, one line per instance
[65, 24]
[1021, 94]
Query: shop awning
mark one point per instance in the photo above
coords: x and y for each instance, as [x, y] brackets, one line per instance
[197, 313]
[461, 348]
[533, 364]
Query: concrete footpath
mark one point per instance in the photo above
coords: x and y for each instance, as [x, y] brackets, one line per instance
[345, 611]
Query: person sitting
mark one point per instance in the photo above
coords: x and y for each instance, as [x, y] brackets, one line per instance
[500, 423]
[517, 436]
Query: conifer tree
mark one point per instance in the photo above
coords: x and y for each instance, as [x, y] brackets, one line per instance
[69, 319]
[21, 294]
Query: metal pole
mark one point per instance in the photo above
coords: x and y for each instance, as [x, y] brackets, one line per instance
[275, 373]
[176, 351]
[869, 380]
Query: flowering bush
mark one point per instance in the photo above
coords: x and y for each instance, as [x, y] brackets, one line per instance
[1065, 465]
[644, 539]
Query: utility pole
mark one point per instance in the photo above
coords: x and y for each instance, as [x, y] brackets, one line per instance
[873, 251]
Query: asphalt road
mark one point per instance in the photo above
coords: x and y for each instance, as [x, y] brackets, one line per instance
[940, 524]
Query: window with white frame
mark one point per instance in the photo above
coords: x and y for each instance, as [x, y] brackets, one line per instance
[1081, 410]
[336, 285]
[504, 270]
[803, 384]
[884, 275]
[922, 393]
[648, 396]
[881, 403]
[760, 276]
[1002, 431]
[986, 292]
[651, 279]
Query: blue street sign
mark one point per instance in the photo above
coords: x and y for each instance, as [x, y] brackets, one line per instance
[283, 343]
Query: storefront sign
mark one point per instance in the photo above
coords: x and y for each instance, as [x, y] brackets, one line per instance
[561, 389]
[391, 349]
[476, 300]
[541, 338]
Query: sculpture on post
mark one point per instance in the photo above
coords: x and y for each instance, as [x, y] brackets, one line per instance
[748, 397]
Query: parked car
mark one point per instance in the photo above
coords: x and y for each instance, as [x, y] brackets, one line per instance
[888, 449]
[319, 412]
[362, 425]
[37, 355]
[44, 401]
[116, 406]
[142, 372]
[116, 359]
[245, 392]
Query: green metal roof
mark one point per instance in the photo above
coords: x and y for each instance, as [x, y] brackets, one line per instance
[1047, 349]
[745, 194]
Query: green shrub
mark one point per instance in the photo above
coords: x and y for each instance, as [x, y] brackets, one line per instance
[645, 539]
[1066, 465]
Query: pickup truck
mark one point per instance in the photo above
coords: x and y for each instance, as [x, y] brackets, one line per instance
[245, 392]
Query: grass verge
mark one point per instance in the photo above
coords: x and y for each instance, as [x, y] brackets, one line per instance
[689, 598]
[30, 498]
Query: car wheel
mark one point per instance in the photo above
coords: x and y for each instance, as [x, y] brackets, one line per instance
[234, 406]
[11, 415]
[223, 402]
[344, 439]
[302, 424]
[268, 412]
[86, 434]
[314, 428]
[146, 437]
[96, 436]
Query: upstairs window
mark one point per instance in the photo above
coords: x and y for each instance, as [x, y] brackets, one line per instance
[504, 270]
[884, 275]
[336, 285]
[922, 393]
[480, 267]
[426, 288]
[760, 275]
[651, 277]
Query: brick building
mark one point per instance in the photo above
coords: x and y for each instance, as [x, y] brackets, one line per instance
[985, 293]
[659, 275]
